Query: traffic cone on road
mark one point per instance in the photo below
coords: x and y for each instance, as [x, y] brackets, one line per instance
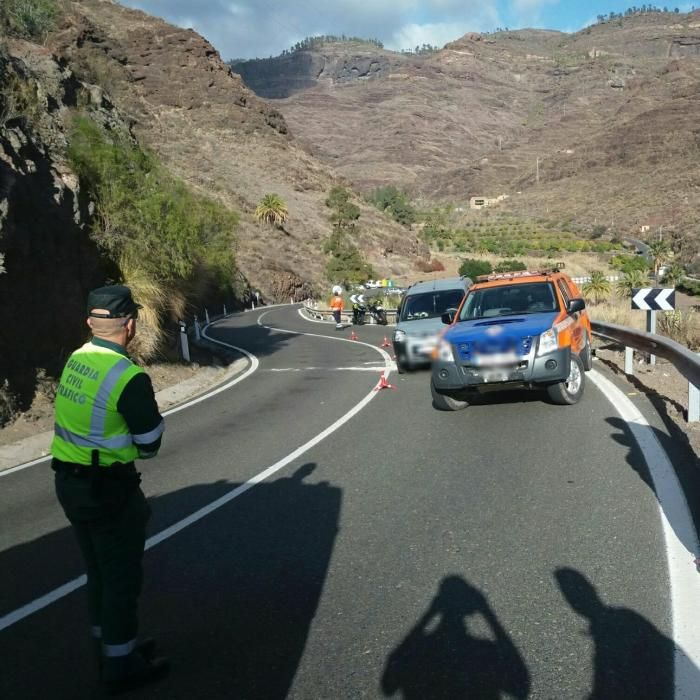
[383, 384]
[353, 336]
[386, 343]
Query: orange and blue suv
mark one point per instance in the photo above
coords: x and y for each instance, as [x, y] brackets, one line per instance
[517, 329]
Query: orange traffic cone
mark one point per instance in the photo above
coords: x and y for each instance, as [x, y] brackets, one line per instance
[386, 343]
[383, 384]
[353, 336]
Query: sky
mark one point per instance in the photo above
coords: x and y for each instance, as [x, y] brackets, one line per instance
[262, 28]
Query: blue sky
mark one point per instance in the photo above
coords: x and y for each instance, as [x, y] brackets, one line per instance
[259, 28]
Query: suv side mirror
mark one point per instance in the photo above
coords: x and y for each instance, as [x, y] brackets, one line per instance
[449, 316]
[575, 305]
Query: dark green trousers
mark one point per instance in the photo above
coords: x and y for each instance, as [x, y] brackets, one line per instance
[111, 530]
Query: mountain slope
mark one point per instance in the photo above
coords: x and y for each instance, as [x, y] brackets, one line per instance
[220, 138]
[607, 115]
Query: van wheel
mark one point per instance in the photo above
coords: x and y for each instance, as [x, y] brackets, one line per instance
[400, 366]
[587, 355]
[569, 391]
[443, 402]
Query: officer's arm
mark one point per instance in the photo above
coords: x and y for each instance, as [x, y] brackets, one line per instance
[137, 404]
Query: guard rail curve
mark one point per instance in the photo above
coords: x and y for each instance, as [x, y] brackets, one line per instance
[683, 359]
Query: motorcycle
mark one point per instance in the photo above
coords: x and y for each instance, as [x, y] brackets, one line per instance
[375, 309]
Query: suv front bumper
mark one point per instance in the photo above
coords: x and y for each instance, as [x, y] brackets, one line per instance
[546, 369]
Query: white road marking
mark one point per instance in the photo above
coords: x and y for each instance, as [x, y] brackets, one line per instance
[254, 363]
[328, 369]
[678, 528]
[19, 614]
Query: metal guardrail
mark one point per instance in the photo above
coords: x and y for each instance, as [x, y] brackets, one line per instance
[683, 359]
[327, 314]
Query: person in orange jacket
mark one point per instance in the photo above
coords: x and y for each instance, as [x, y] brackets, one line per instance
[337, 306]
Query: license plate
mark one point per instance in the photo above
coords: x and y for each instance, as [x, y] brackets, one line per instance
[495, 376]
[495, 359]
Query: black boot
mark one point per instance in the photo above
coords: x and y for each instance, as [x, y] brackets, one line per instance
[124, 673]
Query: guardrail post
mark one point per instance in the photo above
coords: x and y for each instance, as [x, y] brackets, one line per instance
[693, 403]
[197, 330]
[206, 316]
[651, 328]
[225, 314]
[629, 360]
[184, 342]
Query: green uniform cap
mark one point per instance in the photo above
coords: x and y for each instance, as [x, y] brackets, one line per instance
[116, 299]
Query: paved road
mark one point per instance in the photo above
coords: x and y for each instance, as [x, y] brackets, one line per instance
[511, 550]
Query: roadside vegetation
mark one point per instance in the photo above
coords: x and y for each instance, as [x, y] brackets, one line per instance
[29, 19]
[172, 246]
[345, 264]
[272, 210]
[395, 203]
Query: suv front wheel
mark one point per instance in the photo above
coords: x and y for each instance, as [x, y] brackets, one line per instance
[444, 402]
[569, 391]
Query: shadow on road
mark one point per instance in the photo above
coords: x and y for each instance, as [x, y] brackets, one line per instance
[632, 658]
[689, 481]
[230, 598]
[441, 659]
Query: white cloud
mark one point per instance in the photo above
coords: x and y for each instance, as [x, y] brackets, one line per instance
[249, 28]
[530, 11]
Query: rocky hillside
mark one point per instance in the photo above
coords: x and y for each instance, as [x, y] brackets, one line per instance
[607, 115]
[212, 131]
[50, 262]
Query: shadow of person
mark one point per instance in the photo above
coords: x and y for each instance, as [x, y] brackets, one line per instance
[677, 512]
[439, 658]
[632, 658]
[231, 597]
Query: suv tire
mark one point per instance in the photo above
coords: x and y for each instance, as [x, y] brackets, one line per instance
[569, 391]
[444, 402]
[587, 355]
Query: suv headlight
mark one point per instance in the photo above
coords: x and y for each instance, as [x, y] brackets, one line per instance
[549, 342]
[443, 351]
[399, 336]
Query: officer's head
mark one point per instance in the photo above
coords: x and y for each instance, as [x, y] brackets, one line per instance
[112, 313]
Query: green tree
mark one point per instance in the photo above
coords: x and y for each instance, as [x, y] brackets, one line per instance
[345, 264]
[272, 209]
[674, 274]
[472, 268]
[345, 212]
[510, 266]
[598, 288]
[659, 251]
[634, 279]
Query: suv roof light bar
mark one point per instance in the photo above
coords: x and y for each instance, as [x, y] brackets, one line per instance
[514, 275]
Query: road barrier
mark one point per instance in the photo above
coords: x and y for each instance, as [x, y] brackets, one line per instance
[683, 359]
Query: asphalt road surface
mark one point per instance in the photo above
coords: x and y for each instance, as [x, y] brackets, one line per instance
[514, 549]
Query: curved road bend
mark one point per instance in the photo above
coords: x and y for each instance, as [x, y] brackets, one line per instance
[511, 550]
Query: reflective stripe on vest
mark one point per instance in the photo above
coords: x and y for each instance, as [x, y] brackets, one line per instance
[96, 376]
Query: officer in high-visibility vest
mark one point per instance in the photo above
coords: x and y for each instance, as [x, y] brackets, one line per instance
[336, 305]
[106, 418]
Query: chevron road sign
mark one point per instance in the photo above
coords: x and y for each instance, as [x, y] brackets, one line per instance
[650, 299]
[357, 298]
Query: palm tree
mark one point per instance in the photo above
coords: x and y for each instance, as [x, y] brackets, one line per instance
[674, 274]
[598, 289]
[272, 209]
[635, 279]
[659, 251]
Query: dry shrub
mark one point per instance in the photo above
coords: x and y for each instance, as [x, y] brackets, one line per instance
[8, 404]
[680, 325]
[617, 311]
[160, 302]
[429, 266]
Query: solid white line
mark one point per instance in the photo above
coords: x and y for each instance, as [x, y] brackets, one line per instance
[254, 363]
[326, 369]
[34, 606]
[673, 508]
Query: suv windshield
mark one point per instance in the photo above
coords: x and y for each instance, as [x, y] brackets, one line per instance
[509, 300]
[430, 304]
